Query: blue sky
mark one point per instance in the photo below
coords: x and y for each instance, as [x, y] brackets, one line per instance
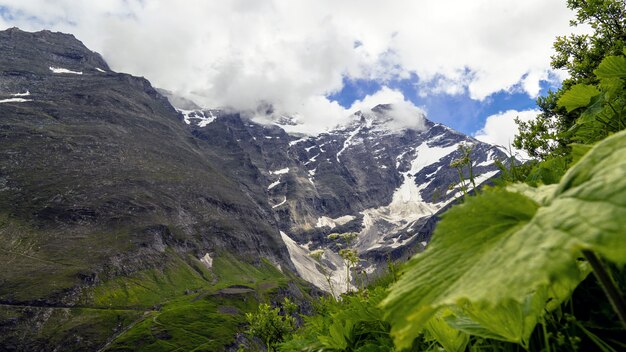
[458, 111]
[465, 63]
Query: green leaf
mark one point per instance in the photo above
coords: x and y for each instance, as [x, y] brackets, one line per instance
[578, 96]
[541, 195]
[611, 87]
[501, 255]
[611, 67]
[578, 151]
[456, 266]
[595, 106]
[593, 192]
[507, 321]
[452, 340]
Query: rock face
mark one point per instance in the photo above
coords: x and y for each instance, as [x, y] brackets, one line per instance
[101, 177]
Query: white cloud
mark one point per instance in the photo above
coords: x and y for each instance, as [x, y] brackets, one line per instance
[404, 113]
[294, 53]
[500, 129]
[322, 114]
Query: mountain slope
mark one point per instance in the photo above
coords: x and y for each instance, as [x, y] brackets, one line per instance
[103, 186]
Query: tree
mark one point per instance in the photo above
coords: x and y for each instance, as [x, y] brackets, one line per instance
[579, 54]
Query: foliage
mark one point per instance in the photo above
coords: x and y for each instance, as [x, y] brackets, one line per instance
[317, 256]
[348, 255]
[602, 107]
[354, 323]
[462, 162]
[579, 54]
[497, 259]
[511, 169]
[269, 325]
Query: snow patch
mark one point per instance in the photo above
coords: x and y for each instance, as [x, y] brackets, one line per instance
[207, 261]
[399, 159]
[292, 143]
[407, 205]
[312, 160]
[21, 94]
[100, 70]
[490, 159]
[325, 221]
[279, 204]
[273, 184]
[434, 172]
[429, 155]
[64, 70]
[348, 141]
[280, 172]
[14, 100]
[200, 118]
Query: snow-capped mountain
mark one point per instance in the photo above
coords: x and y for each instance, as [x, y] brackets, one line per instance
[369, 176]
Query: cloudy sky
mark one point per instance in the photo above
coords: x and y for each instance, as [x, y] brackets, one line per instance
[473, 65]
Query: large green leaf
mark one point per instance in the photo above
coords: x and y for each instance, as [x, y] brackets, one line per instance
[578, 96]
[452, 340]
[504, 249]
[612, 67]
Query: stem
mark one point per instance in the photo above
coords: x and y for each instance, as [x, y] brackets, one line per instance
[330, 284]
[546, 338]
[608, 286]
[471, 175]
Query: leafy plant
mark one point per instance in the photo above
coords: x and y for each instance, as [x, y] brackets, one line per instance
[353, 324]
[348, 255]
[460, 163]
[503, 258]
[317, 256]
[603, 107]
[579, 54]
[269, 325]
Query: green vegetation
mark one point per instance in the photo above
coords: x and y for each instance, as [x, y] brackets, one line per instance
[503, 258]
[147, 288]
[460, 164]
[205, 310]
[551, 133]
[183, 306]
[269, 325]
[348, 255]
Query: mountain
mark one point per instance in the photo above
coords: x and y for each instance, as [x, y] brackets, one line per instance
[128, 223]
[369, 176]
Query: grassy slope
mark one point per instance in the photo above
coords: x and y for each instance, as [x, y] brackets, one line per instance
[206, 319]
[182, 307]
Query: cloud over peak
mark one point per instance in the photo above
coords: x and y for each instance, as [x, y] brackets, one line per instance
[294, 54]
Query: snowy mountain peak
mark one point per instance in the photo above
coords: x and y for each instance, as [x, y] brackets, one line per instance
[392, 118]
